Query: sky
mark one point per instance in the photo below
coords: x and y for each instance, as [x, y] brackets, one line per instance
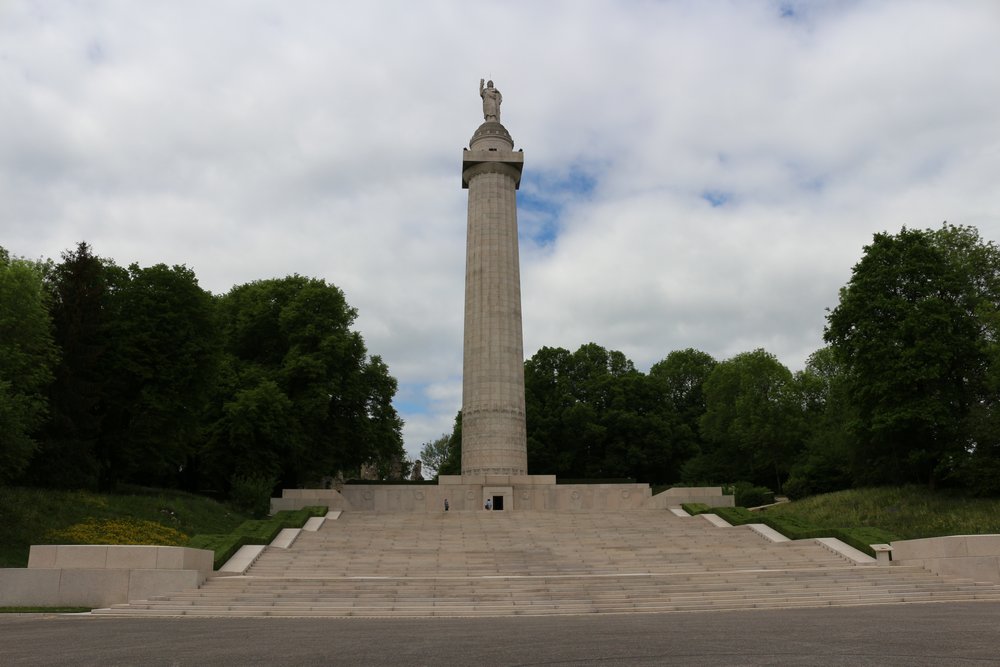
[698, 173]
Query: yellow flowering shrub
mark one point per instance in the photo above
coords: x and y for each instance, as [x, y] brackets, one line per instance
[119, 531]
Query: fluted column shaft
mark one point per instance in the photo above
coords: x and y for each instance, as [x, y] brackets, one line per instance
[494, 441]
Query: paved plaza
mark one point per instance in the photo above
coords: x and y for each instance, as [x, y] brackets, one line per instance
[964, 634]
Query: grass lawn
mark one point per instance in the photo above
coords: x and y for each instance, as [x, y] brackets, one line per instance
[908, 512]
[135, 516]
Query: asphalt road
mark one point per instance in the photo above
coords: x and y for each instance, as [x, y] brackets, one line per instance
[913, 634]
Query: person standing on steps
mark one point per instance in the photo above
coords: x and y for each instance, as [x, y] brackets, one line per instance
[445, 504]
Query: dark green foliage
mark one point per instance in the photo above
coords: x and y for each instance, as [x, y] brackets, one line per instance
[157, 382]
[746, 494]
[27, 356]
[162, 364]
[80, 287]
[590, 414]
[916, 330]
[695, 508]
[824, 463]
[681, 379]
[251, 494]
[30, 515]
[452, 464]
[298, 397]
[752, 424]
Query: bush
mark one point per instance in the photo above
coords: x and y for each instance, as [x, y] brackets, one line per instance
[118, 531]
[748, 495]
[695, 508]
[252, 494]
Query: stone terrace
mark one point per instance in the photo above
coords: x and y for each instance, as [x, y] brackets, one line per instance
[521, 563]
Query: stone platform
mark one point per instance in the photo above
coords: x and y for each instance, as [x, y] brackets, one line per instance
[542, 563]
[466, 493]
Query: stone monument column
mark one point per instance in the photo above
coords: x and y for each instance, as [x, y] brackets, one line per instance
[493, 425]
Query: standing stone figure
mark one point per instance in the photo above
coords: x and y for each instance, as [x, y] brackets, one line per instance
[491, 101]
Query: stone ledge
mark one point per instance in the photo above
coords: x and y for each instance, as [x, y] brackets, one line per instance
[241, 561]
[975, 557]
[845, 550]
[118, 557]
[767, 532]
[43, 587]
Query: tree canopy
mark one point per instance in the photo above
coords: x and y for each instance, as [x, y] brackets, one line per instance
[27, 355]
[915, 331]
[111, 374]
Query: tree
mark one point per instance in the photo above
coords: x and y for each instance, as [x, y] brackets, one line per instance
[591, 414]
[297, 388]
[162, 364]
[913, 331]
[27, 355]
[434, 454]
[80, 287]
[824, 465]
[452, 464]
[752, 423]
[681, 379]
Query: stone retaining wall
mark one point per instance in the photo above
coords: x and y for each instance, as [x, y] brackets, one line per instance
[520, 492]
[80, 575]
[975, 557]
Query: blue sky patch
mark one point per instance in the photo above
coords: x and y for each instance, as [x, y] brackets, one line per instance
[716, 198]
[543, 197]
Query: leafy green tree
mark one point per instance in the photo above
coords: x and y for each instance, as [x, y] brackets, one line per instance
[681, 379]
[162, 363]
[591, 414]
[27, 355]
[914, 330]
[299, 398]
[752, 422]
[452, 463]
[434, 454]
[824, 465]
[80, 288]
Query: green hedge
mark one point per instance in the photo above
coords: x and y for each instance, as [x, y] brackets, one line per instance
[255, 531]
[795, 529]
[695, 508]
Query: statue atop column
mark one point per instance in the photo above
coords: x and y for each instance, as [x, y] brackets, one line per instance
[491, 101]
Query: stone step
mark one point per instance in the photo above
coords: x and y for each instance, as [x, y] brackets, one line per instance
[482, 564]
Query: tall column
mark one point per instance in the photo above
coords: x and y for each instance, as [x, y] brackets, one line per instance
[493, 425]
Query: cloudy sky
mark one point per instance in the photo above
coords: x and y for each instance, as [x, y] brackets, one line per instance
[697, 173]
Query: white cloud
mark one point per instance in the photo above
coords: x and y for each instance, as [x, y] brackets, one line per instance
[257, 139]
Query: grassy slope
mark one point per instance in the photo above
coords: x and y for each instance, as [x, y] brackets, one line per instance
[908, 512]
[30, 516]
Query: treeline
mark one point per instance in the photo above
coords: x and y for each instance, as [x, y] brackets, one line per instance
[138, 375]
[907, 390]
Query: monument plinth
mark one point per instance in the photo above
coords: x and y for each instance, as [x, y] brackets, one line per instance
[494, 440]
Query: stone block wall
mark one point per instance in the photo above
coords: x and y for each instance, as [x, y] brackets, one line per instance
[81, 575]
[975, 557]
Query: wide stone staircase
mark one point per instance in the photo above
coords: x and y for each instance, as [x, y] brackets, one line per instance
[525, 563]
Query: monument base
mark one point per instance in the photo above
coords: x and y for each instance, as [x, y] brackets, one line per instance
[466, 493]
